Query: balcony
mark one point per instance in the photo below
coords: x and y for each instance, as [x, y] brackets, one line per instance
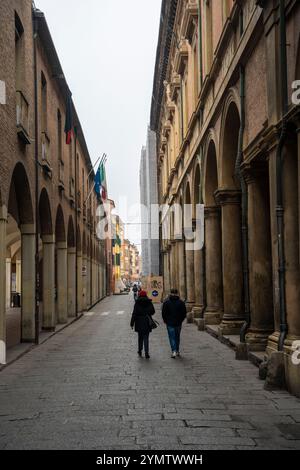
[46, 154]
[22, 109]
[61, 175]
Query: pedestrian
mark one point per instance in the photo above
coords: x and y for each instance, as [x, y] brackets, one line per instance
[174, 313]
[141, 321]
[135, 291]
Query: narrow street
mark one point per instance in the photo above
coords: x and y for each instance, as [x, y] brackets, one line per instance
[86, 388]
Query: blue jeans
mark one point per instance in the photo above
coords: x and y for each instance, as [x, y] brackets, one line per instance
[174, 337]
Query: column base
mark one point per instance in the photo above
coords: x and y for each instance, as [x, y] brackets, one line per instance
[292, 365]
[230, 327]
[197, 311]
[50, 329]
[257, 340]
[276, 373]
[272, 343]
[199, 322]
[190, 314]
[212, 317]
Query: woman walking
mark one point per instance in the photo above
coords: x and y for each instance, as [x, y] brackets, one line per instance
[141, 321]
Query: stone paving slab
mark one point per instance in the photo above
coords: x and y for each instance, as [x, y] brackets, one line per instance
[86, 388]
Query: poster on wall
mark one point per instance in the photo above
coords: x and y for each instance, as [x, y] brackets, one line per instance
[155, 288]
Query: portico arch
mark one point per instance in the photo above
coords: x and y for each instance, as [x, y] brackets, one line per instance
[20, 260]
[47, 263]
[213, 242]
[229, 197]
[189, 248]
[71, 269]
[61, 267]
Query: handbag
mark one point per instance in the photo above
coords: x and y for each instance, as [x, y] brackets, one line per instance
[152, 323]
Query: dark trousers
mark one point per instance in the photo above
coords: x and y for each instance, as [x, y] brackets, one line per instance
[174, 337]
[144, 342]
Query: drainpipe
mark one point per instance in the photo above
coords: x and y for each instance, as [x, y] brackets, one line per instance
[36, 150]
[200, 43]
[279, 178]
[201, 161]
[240, 176]
[76, 223]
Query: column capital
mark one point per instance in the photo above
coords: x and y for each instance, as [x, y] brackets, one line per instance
[48, 239]
[62, 245]
[226, 197]
[212, 212]
[3, 213]
[253, 171]
[28, 229]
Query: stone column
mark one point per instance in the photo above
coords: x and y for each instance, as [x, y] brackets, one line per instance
[213, 258]
[199, 284]
[181, 269]
[62, 282]
[167, 286]
[8, 283]
[84, 283]
[79, 282]
[49, 282]
[298, 143]
[18, 275]
[94, 282]
[88, 282]
[233, 317]
[190, 277]
[71, 282]
[260, 261]
[291, 239]
[273, 339]
[3, 224]
[28, 282]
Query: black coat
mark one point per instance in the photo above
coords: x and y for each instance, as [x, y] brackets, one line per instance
[140, 318]
[174, 311]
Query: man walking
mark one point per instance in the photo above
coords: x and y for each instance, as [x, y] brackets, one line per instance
[174, 313]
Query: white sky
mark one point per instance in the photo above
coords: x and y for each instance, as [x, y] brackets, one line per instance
[107, 50]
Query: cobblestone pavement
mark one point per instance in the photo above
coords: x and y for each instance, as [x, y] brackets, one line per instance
[86, 388]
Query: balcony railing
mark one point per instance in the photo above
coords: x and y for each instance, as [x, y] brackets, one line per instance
[22, 110]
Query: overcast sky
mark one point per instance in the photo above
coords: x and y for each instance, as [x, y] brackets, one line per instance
[107, 49]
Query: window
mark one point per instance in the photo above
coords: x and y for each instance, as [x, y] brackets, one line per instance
[59, 136]
[19, 52]
[196, 70]
[44, 103]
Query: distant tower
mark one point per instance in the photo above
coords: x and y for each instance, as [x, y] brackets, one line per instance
[149, 196]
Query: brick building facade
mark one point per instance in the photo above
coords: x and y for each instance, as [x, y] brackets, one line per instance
[51, 259]
[228, 138]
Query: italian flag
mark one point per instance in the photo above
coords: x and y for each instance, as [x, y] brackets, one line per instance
[103, 183]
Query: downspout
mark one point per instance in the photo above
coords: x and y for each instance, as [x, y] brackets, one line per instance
[244, 189]
[201, 161]
[76, 224]
[36, 150]
[279, 179]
